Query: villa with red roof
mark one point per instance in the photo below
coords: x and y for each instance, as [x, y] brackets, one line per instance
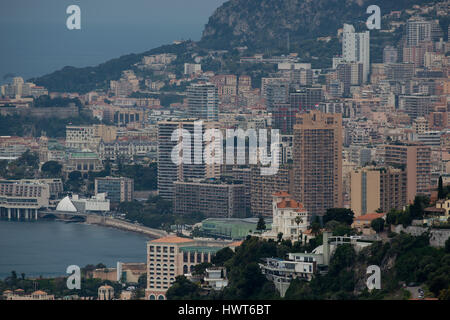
[289, 218]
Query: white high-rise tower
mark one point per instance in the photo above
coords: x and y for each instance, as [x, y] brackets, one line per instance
[356, 48]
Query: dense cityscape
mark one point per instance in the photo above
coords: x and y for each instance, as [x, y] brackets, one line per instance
[280, 171]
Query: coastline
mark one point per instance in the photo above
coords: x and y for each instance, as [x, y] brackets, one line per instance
[126, 226]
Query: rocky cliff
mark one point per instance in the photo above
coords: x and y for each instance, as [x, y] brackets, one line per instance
[262, 23]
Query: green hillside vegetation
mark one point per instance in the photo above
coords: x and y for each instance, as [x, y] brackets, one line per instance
[403, 259]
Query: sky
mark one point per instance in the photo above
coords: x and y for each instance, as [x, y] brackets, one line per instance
[34, 39]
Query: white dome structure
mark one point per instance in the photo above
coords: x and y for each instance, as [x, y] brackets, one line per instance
[66, 205]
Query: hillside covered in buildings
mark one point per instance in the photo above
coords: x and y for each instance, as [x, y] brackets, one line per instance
[311, 29]
[279, 157]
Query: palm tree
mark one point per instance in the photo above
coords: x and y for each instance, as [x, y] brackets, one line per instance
[280, 236]
[298, 220]
[315, 228]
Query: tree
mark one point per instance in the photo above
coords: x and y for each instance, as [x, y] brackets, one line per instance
[441, 193]
[377, 225]
[416, 210]
[74, 175]
[29, 158]
[298, 220]
[261, 224]
[222, 256]
[444, 294]
[142, 281]
[52, 168]
[100, 266]
[200, 268]
[3, 167]
[183, 289]
[279, 236]
[339, 214]
[315, 228]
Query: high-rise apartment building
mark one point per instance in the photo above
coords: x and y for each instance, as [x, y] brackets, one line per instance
[211, 198]
[416, 159]
[418, 30]
[415, 105]
[262, 189]
[278, 105]
[377, 188]
[318, 161]
[350, 74]
[203, 101]
[304, 99]
[356, 48]
[168, 170]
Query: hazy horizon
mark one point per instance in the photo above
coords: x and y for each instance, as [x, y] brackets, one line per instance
[35, 40]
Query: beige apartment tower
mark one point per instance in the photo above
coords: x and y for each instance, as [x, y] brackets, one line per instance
[318, 161]
[377, 188]
[416, 159]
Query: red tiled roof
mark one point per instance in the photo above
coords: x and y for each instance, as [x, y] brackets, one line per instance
[40, 293]
[289, 203]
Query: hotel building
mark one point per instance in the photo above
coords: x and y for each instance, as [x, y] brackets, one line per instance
[172, 256]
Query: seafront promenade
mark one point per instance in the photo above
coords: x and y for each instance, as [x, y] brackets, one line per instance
[124, 225]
